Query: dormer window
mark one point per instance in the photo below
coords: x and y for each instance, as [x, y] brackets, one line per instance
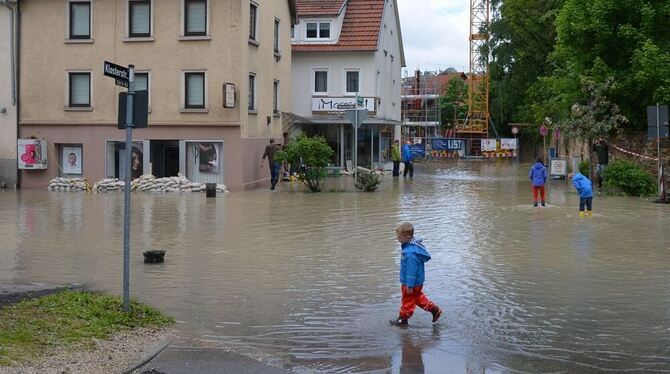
[318, 30]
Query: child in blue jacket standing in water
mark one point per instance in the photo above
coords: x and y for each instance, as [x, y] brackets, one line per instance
[412, 276]
[538, 177]
[583, 186]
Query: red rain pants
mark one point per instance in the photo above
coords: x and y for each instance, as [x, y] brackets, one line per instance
[410, 301]
[536, 190]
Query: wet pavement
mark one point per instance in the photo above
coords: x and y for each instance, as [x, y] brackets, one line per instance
[308, 282]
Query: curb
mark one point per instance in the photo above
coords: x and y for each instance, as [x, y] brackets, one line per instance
[148, 357]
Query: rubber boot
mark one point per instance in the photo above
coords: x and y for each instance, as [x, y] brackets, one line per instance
[581, 214]
[436, 312]
[398, 321]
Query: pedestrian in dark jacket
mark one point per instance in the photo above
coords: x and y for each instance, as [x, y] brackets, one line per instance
[407, 160]
[584, 187]
[538, 177]
[412, 276]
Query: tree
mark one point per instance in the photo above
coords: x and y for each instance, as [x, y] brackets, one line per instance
[453, 102]
[596, 117]
[312, 154]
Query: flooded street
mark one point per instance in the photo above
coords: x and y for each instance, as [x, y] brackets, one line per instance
[309, 281]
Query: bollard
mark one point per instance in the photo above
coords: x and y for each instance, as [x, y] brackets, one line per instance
[210, 189]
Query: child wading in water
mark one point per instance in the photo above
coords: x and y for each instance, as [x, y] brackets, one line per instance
[584, 188]
[412, 276]
[538, 177]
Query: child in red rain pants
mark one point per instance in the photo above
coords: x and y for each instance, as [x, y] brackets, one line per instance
[538, 177]
[412, 276]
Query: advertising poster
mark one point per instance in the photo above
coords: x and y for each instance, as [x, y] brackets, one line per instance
[71, 160]
[32, 153]
[208, 158]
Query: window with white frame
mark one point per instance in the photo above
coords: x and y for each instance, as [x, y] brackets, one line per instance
[252, 92]
[351, 81]
[318, 30]
[139, 18]
[275, 97]
[194, 86]
[79, 89]
[195, 17]
[321, 81]
[253, 21]
[277, 29]
[80, 20]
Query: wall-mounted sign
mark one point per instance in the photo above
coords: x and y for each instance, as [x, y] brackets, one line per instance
[339, 104]
[489, 145]
[444, 144]
[508, 143]
[32, 153]
[229, 95]
[71, 159]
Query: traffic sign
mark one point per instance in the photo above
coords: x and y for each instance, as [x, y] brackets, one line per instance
[544, 130]
[356, 121]
[140, 109]
[557, 133]
[360, 101]
[121, 74]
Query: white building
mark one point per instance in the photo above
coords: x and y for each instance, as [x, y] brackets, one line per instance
[342, 48]
[8, 93]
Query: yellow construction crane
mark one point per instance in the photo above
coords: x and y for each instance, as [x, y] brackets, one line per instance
[475, 125]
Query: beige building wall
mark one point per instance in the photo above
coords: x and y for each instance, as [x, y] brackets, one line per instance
[225, 55]
[8, 102]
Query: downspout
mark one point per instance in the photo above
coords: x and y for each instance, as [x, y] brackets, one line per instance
[12, 48]
[15, 39]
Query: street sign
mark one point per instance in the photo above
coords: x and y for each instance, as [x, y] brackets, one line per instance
[140, 110]
[360, 101]
[351, 115]
[662, 120]
[557, 133]
[120, 73]
[544, 130]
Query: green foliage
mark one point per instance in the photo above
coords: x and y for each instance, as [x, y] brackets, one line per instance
[368, 182]
[584, 168]
[313, 154]
[453, 103]
[628, 178]
[67, 318]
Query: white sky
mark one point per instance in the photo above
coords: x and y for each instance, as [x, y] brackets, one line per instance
[435, 33]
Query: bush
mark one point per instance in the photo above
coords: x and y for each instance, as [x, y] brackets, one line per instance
[584, 168]
[628, 178]
[312, 154]
[368, 182]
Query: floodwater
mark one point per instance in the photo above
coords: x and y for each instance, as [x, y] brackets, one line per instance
[309, 281]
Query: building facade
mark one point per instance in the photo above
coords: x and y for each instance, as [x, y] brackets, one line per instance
[217, 74]
[8, 94]
[343, 49]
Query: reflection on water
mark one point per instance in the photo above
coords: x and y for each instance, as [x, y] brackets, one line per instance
[309, 281]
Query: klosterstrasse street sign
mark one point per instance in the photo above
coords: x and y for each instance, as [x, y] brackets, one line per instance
[118, 72]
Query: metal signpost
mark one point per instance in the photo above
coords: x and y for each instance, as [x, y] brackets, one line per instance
[356, 117]
[125, 77]
[543, 131]
[657, 122]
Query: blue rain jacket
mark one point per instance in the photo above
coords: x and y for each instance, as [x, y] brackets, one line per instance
[582, 185]
[406, 153]
[414, 254]
[538, 174]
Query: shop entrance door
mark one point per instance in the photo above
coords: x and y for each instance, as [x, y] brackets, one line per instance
[164, 158]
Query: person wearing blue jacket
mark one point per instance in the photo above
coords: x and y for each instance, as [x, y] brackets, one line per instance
[538, 177]
[584, 187]
[412, 276]
[407, 160]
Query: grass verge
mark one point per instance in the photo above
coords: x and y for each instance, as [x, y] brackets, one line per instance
[67, 319]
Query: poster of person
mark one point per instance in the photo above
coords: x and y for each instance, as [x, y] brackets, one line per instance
[208, 158]
[136, 158]
[71, 160]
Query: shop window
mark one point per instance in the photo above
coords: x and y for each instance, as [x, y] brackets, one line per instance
[204, 161]
[116, 157]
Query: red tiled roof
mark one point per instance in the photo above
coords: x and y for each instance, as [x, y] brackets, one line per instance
[319, 7]
[360, 29]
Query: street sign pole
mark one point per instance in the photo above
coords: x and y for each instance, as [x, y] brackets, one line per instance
[126, 190]
[658, 150]
[356, 140]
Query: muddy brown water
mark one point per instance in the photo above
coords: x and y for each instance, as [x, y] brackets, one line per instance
[309, 281]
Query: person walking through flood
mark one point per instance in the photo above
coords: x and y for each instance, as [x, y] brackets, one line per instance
[270, 151]
[585, 189]
[412, 276]
[538, 177]
[407, 160]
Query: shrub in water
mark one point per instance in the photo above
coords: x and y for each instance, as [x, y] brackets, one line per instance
[628, 178]
[368, 182]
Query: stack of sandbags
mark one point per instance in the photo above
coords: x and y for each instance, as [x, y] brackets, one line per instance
[68, 184]
[108, 185]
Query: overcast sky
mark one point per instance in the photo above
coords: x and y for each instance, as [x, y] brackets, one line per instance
[435, 33]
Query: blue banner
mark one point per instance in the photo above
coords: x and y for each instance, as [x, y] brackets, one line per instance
[418, 150]
[446, 144]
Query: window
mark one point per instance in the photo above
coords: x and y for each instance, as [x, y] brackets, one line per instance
[352, 84]
[142, 84]
[276, 35]
[195, 90]
[139, 18]
[80, 20]
[252, 92]
[79, 90]
[253, 19]
[195, 17]
[321, 81]
[275, 97]
[292, 31]
[318, 30]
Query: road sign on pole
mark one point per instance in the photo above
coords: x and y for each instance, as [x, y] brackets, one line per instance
[121, 74]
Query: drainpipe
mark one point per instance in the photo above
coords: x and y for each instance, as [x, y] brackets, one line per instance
[15, 39]
[12, 47]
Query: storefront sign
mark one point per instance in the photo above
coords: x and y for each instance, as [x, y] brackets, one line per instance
[339, 104]
[444, 144]
[32, 153]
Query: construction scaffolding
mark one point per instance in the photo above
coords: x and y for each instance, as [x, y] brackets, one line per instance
[420, 106]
